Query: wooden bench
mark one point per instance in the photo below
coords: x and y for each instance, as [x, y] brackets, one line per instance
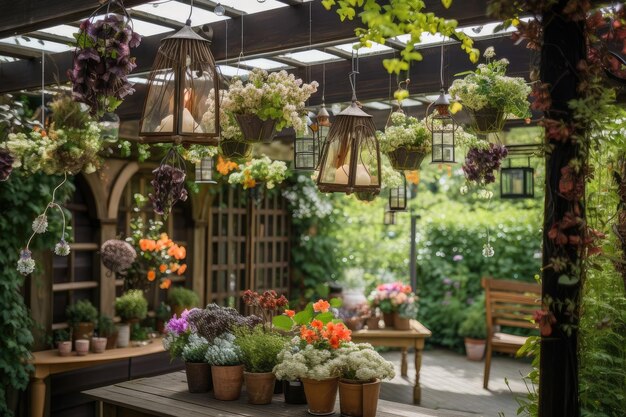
[510, 304]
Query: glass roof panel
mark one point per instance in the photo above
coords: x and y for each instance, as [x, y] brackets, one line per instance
[253, 6]
[36, 44]
[377, 105]
[4, 58]
[375, 48]
[179, 11]
[309, 57]
[230, 71]
[263, 63]
[61, 30]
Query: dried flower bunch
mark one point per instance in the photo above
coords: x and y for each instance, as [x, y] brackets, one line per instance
[102, 62]
[482, 161]
[278, 96]
[404, 131]
[259, 170]
[268, 304]
[168, 183]
[213, 321]
[117, 255]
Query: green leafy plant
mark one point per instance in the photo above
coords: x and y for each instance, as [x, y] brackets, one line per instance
[182, 297]
[259, 170]
[163, 311]
[259, 348]
[474, 326]
[139, 333]
[132, 305]
[61, 335]
[195, 349]
[106, 326]
[404, 131]
[81, 312]
[320, 311]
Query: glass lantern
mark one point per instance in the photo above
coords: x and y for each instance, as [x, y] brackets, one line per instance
[306, 149]
[398, 197]
[517, 182]
[389, 217]
[442, 127]
[204, 171]
[183, 78]
[109, 125]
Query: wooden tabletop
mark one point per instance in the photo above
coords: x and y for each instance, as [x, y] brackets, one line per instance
[52, 357]
[167, 396]
[418, 330]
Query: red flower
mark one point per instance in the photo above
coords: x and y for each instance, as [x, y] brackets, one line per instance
[545, 319]
[290, 313]
[321, 306]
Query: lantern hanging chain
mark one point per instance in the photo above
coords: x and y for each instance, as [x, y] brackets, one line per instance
[441, 62]
[323, 81]
[241, 55]
[43, 91]
[188, 22]
[353, 73]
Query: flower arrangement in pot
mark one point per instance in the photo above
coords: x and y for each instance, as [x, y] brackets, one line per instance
[361, 370]
[474, 331]
[181, 299]
[397, 303]
[131, 307]
[482, 160]
[266, 103]
[490, 95]
[259, 348]
[406, 141]
[259, 171]
[355, 316]
[224, 356]
[82, 316]
[232, 143]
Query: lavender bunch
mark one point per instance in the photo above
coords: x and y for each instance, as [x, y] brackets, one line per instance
[214, 321]
[481, 163]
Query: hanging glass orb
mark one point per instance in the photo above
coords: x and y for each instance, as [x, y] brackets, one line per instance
[219, 10]
[204, 171]
[350, 160]
[442, 127]
[182, 79]
[398, 197]
[517, 182]
[389, 218]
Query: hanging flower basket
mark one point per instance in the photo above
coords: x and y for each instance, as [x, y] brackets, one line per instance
[406, 159]
[487, 120]
[254, 129]
[233, 149]
[366, 196]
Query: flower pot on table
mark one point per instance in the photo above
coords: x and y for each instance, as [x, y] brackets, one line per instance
[123, 335]
[373, 323]
[388, 319]
[65, 348]
[198, 377]
[354, 323]
[227, 382]
[320, 395]
[487, 120]
[406, 158]
[83, 330]
[294, 392]
[254, 129]
[98, 344]
[81, 346]
[260, 387]
[474, 349]
[401, 323]
[111, 341]
[358, 399]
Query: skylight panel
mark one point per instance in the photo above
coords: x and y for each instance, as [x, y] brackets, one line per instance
[264, 63]
[36, 44]
[230, 71]
[312, 56]
[179, 12]
[377, 105]
[61, 30]
[253, 6]
[375, 48]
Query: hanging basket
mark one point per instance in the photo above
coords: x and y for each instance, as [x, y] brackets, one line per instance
[487, 120]
[406, 159]
[234, 149]
[366, 196]
[254, 129]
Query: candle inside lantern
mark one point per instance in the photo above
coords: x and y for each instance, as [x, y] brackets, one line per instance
[362, 176]
[517, 184]
[189, 124]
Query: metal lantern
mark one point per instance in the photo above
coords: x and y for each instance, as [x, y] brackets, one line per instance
[323, 117]
[398, 197]
[517, 182]
[389, 218]
[350, 161]
[182, 80]
[306, 149]
[204, 171]
[442, 127]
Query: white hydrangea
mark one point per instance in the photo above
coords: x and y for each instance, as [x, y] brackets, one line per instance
[305, 200]
[405, 131]
[360, 362]
[294, 363]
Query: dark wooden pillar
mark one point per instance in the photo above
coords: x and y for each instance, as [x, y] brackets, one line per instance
[563, 48]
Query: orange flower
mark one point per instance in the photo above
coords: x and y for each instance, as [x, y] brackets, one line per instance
[413, 177]
[162, 268]
[178, 252]
[290, 313]
[147, 245]
[165, 284]
[309, 335]
[321, 306]
[151, 275]
[316, 324]
[181, 269]
[249, 183]
[174, 267]
[224, 166]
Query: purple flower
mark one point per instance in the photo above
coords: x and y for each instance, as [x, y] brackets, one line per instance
[457, 284]
[447, 281]
[457, 258]
[178, 325]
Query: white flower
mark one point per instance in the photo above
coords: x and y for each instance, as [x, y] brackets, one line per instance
[463, 190]
[488, 251]
[26, 264]
[40, 224]
[62, 248]
[490, 52]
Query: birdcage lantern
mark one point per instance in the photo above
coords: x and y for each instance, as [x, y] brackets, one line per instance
[389, 218]
[442, 127]
[517, 182]
[306, 149]
[182, 80]
[204, 171]
[398, 197]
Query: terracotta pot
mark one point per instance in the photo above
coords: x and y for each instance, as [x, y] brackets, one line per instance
[198, 377]
[389, 320]
[474, 349]
[294, 392]
[354, 323]
[373, 323]
[401, 323]
[254, 129]
[82, 331]
[406, 159]
[227, 382]
[81, 346]
[321, 395]
[234, 149]
[260, 387]
[358, 399]
[123, 335]
[487, 120]
[98, 344]
[65, 348]
[112, 341]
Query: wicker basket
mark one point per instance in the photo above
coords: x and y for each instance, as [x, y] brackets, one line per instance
[487, 120]
[254, 129]
[234, 149]
[406, 159]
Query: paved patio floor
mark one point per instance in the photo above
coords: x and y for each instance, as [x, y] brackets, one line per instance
[451, 382]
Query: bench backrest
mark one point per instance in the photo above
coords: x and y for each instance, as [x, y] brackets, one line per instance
[510, 303]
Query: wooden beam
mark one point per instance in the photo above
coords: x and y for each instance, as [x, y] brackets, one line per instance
[21, 52]
[50, 37]
[155, 19]
[18, 17]
[210, 6]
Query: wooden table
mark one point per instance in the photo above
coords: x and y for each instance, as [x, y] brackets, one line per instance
[405, 339]
[167, 396]
[49, 362]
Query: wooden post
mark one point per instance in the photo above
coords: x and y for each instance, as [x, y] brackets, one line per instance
[563, 48]
[108, 230]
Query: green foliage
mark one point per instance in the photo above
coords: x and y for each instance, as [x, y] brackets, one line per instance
[106, 326]
[474, 325]
[132, 305]
[259, 348]
[182, 297]
[163, 311]
[81, 312]
[138, 333]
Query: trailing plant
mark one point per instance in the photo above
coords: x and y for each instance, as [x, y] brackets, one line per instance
[182, 297]
[131, 305]
[259, 348]
[404, 131]
[81, 312]
[482, 161]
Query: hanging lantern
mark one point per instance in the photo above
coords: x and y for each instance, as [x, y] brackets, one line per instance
[517, 182]
[398, 197]
[442, 127]
[306, 148]
[204, 171]
[389, 218]
[180, 83]
[350, 159]
[323, 117]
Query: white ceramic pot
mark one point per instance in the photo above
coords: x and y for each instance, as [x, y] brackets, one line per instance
[123, 335]
[81, 346]
[98, 344]
[353, 298]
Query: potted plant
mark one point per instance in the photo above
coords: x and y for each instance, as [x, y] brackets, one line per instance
[355, 316]
[162, 314]
[81, 346]
[131, 307]
[196, 367]
[181, 298]
[490, 95]
[482, 160]
[406, 141]
[474, 330]
[82, 316]
[226, 368]
[390, 298]
[139, 335]
[63, 340]
[266, 103]
[361, 369]
[257, 171]
[259, 348]
[106, 328]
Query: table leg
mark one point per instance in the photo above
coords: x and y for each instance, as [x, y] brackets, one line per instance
[417, 390]
[405, 365]
[38, 397]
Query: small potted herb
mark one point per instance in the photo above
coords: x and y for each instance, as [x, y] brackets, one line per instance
[63, 340]
[474, 330]
[224, 356]
[82, 316]
[131, 307]
[139, 335]
[180, 299]
[106, 328]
